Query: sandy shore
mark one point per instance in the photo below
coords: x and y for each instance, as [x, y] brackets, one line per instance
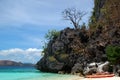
[73, 78]
[82, 78]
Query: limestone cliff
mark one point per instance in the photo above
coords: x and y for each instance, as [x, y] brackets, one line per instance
[105, 13]
[64, 51]
[75, 48]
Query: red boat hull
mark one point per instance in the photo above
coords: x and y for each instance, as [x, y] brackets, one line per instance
[100, 76]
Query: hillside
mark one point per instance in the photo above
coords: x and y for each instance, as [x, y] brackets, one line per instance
[13, 63]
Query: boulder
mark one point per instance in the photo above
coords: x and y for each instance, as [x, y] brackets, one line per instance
[96, 68]
[78, 68]
[90, 69]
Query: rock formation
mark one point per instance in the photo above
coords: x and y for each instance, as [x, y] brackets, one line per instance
[64, 51]
[74, 49]
[96, 68]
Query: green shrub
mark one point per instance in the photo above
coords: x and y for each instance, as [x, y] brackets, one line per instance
[52, 34]
[44, 47]
[113, 53]
[51, 58]
[57, 52]
[63, 56]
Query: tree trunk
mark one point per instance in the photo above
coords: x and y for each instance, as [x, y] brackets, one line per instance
[75, 25]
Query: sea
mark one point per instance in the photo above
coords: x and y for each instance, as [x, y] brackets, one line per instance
[28, 73]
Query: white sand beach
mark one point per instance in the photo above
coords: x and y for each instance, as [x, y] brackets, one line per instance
[82, 78]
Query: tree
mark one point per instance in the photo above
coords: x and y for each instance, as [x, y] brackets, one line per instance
[52, 34]
[73, 15]
[113, 54]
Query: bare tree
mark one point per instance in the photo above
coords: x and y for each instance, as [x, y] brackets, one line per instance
[73, 15]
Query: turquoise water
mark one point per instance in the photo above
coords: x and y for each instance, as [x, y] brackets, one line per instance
[28, 73]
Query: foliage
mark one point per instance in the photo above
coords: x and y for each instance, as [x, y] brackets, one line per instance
[44, 48]
[95, 21]
[64, 56]
[52, 34]
[49, 36]
[51, 58]
[113, 53]
[73, 16]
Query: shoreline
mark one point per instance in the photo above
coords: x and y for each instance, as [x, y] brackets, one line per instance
[82, 78]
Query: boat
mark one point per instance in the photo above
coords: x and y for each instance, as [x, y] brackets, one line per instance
[100, 75]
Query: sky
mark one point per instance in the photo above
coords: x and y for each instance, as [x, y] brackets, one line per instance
[24, 23]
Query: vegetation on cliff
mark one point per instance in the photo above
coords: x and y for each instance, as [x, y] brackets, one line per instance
[52, 34]
[113, 55]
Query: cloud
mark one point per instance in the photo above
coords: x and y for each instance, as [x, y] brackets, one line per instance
[23, 24]
[31, 55]
[38, 12]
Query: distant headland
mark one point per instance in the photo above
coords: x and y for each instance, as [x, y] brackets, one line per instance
[13, 63]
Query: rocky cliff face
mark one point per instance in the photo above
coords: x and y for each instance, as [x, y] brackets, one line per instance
[106, 12]
[64, 51]
[75, 48]
[98, 5]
